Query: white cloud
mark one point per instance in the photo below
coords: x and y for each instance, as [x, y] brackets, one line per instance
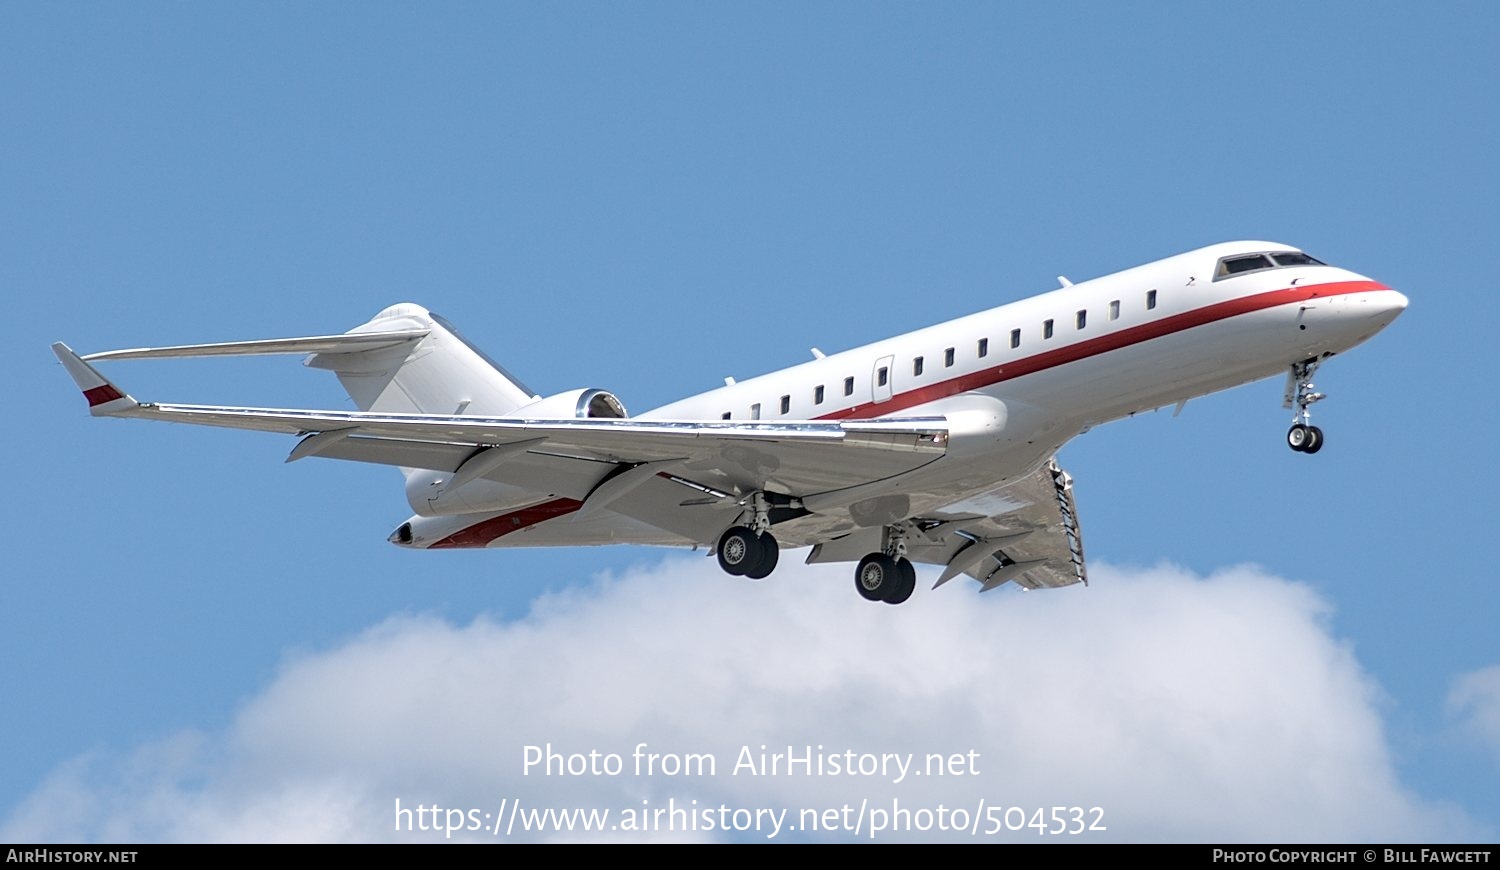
[1475, 702]
[1187, 708]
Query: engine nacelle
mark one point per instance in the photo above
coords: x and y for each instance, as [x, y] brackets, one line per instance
[429, 494]
[583, 403]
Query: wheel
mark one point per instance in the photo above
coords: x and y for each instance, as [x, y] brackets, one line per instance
[739, 551]
[1298, 437]
[876, 575]
[1314, 441]
[906, 582]
[770, 554]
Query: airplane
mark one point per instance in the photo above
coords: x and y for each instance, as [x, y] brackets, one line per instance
[936, 446]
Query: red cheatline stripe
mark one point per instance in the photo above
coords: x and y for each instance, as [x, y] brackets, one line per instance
[480, 534]
[100, 395]
[1103, 344]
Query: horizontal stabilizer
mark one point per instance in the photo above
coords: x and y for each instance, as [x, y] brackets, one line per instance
[104, 398]
[349, 343]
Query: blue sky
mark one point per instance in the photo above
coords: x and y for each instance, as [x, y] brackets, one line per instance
[649, 197]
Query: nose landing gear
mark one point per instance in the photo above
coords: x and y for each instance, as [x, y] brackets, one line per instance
[1303, 437]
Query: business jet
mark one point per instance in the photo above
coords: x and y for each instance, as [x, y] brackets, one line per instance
[936, 446]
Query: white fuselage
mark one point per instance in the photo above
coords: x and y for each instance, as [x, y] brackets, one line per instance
[951, 424]
[1055, 364]
[1013, 383]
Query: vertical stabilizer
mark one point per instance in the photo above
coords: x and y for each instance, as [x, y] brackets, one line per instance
[440, 374]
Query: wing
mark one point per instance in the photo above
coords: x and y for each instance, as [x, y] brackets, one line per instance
[1027, 532]
[591, 460]
[662, 481]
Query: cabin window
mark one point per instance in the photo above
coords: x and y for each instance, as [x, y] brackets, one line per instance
[916, 367]
[883, 377]
[755, 411]
[1150, 299]
[984, 348]
[786, 404]
[948, 358]
[1083, 319]
[818, 394]
[1015, 338]
[1114, 310]
[727, 415]
[849, 386]
[1046, 329]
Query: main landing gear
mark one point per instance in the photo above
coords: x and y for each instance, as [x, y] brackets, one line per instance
[883, 577]
[1303, 437]
[888, 575]
[750, 551]
[745, 552]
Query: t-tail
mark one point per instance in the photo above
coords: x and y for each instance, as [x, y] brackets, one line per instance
[405, 360]
[437, 373]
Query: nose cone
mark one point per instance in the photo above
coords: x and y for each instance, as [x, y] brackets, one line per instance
[1382, 306]
[1353, 318]
[1373, 302]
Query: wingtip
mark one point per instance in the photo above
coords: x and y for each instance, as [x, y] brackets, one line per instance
[104, 398]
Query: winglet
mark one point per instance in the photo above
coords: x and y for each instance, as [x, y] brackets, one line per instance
[105, 399]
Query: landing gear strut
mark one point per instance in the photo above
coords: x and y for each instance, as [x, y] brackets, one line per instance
[888, 575]
[750, 551]
[1303, 437]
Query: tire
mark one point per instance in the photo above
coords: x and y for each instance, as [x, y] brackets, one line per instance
[1298, 437]
[1315, 440]
[906, 582]
[770, 554]
[876, 575]
[739, 552]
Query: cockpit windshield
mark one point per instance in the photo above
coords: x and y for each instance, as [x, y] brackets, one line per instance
[1295, 258]
[1239, 264]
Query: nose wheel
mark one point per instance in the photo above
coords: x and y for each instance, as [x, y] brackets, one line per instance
[1303, 437]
